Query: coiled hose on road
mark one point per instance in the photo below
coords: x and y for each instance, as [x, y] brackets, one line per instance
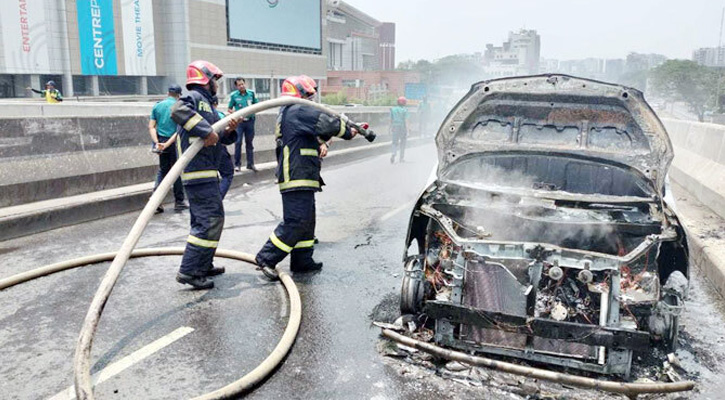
[246, 382]
[82, 362]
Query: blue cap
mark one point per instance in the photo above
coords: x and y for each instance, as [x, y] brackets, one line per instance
[51, 83]
[175, 89]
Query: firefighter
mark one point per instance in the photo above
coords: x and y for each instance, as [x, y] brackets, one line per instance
[301, 133]
[195, 115]
[399, 128]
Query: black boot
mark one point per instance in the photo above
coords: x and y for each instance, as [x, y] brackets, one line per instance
[180, 206]
[311, 266]
[198, 282]
[269, 272]
[214, 271]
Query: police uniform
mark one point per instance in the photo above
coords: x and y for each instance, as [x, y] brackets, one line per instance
[299, 131]
[195, 115]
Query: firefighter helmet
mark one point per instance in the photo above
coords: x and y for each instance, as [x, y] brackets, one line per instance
[309, 86]
[402, 101]
[200, 72]
[289, 87]
[299, 86]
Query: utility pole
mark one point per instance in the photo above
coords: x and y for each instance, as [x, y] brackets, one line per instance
[718, 62]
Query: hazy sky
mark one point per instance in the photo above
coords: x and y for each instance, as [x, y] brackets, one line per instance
[569, 29]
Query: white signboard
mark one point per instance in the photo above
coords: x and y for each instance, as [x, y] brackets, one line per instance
[24, 35]
[138, 37]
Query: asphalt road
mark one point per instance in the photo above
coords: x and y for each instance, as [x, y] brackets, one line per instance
[185, 343]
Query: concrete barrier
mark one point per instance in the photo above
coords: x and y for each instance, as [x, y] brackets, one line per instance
[56, 150]
[699, 164]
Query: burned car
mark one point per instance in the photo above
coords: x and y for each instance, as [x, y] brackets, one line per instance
[544, 233]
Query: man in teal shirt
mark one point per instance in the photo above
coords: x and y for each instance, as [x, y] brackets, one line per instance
[163, 133]
[240, 98]
[399, 128]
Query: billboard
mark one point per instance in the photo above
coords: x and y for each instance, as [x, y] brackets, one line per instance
[96, 37]
[137, 18]
[24, 36]
[295, 23]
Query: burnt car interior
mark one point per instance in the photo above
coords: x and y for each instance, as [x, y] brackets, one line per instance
[545, 236]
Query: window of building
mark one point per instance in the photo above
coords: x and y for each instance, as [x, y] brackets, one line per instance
[261, 88]
[334, 56]
[7, 86]
[353, 83]
[81, 85]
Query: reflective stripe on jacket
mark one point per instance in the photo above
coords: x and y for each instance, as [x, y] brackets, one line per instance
[300, 130]
[195, 115]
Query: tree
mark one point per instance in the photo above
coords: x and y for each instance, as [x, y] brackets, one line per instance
[686, 81]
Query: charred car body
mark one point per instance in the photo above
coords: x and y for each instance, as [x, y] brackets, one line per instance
[544, 233]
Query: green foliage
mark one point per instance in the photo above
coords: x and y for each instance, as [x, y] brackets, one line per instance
[686, 81]
[387, 100]
[336, 99]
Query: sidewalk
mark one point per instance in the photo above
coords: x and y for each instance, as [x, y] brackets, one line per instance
[706, 237]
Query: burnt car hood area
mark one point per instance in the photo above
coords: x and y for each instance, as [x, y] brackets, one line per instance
[544, 234]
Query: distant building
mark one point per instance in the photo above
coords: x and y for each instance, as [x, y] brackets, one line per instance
[613, 69]
[361, 55]
[710, 56]
[519, 55]
[643, 62]
[547, 65]
[368, 85]
[356, 41]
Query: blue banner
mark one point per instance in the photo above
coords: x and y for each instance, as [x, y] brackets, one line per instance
[97, 37]
[416, 91]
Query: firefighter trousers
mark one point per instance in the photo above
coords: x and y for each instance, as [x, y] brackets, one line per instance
[207, 221]
[295, 235]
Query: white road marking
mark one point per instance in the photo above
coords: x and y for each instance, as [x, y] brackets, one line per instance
[391, 213]
[131, 359]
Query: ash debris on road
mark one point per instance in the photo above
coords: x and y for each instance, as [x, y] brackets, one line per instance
[691, 361]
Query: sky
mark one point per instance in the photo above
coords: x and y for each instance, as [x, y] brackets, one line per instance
[569, 29]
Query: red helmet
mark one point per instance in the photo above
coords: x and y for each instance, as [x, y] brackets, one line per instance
[299, 86]
[200, 72]
[289, 87]
[309, 86]
[402, 101]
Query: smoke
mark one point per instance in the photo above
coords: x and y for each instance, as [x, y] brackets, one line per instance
[525, 218]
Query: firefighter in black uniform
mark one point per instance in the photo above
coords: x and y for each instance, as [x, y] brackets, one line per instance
[195, 115]
[301, 132]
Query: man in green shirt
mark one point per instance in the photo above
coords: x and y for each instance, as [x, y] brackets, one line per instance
[240, 98]
[399, 128]
[163, 133]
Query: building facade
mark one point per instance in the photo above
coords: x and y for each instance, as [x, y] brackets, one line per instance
[710, 56]
[355, 41]
[97, 47]
[519, 55]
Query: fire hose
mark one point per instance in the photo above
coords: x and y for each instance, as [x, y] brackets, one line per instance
[81, 361]
[628, 389]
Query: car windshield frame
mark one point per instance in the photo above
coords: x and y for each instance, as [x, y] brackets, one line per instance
[640, 181]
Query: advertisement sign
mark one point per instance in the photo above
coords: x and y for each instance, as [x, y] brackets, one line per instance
[24, 35]
[138, 37]
[416, 91]
[96, 37]
[280, 22]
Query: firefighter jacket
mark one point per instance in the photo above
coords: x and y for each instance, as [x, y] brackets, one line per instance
[195, 115]
[300, 130]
